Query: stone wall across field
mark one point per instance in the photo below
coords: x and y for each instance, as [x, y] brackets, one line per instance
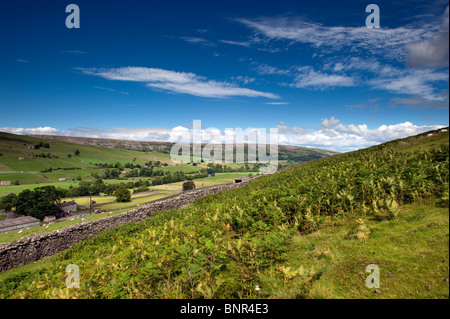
[37, 246]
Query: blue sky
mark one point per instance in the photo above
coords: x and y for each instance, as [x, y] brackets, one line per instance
[139, 69]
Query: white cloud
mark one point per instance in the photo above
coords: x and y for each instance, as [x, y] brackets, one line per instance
[331, 135]
[34, 131]
[336, 136]
[176, 82]
[328, 123]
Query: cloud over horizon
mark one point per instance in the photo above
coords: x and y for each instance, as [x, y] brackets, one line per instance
[330, 135]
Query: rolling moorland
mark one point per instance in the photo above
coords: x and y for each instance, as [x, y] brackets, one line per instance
[305, 232]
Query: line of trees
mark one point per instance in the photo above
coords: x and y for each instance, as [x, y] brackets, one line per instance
[41, 144]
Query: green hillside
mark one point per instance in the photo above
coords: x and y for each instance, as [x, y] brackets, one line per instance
[23, 163]
[306, 232]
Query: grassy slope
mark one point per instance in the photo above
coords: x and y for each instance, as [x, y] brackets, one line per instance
[411, 252]
[28, 170]
[225, 243]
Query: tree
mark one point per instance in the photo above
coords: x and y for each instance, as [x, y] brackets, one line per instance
[98, 186]
[39, 202]
[188, 185]
[77, 152]
[7, 202]
[122, 195]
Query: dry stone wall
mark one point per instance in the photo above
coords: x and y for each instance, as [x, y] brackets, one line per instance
[37, 246]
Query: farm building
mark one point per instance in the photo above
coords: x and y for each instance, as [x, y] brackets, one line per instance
[18, 223]
[65, 208]
[5, 183]
[62, 179]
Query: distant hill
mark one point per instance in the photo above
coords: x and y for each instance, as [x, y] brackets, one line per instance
[288, 153]
[36, 159]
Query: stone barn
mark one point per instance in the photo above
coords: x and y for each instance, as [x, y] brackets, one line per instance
[65, 208]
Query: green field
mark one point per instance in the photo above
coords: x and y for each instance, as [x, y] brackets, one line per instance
[23, 178]
[305, 232]
[219, 178]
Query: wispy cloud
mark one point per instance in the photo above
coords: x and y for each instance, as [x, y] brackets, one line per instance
[265, 69]
[22, 61]
[370, 104]
[381, 76]
[420, 103]
[176, 82]
[244, 79]
[413, 82]
[75, 52]
[111, 90]
[277, 103]
[239, 43]
[198, 40]
[357, 106]
[387, 41]
[307, 77]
